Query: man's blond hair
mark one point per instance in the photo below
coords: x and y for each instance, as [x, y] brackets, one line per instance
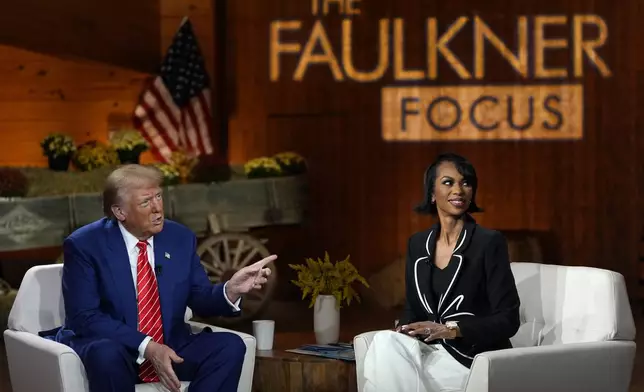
[125, 178]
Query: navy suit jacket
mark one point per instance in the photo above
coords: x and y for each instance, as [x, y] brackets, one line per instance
[100, 295]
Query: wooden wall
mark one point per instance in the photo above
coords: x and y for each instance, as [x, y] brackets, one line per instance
[587, 194]
[79, 67]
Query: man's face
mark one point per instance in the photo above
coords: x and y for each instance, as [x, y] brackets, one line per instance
[142, 211]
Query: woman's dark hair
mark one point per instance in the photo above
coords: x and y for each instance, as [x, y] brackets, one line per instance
[464, 167]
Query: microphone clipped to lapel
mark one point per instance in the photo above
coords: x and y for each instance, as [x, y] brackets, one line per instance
[158, 270]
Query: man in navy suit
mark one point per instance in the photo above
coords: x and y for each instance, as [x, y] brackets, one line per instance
[127, 281]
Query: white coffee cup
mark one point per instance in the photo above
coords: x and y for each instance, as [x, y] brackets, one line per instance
[264, 330]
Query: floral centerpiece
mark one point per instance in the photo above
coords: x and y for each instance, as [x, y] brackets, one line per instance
[183, 162]
[262, 167]
[329, 285]
[291, 163]
[129, 145]
[170, 173]
[58, 148]
[94, 154]
[322, 277]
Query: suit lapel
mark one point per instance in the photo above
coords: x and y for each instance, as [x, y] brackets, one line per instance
[118, 262]
[425, 270]
[462, 243]
[164, 277]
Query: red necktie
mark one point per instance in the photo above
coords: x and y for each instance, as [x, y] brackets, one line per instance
[149, 308]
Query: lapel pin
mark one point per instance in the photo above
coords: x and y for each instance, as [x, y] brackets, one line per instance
[167, 255]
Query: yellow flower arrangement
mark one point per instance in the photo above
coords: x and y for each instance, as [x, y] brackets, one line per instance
[183, 162]
[129, 140]
[292, 163]
[57, 145]
[262, 167]
[170, 173]
[93, 155]
[322, 277]
[129, 144]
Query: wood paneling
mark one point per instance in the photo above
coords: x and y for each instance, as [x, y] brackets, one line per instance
[121, 32]
[587, 194]
[43, 94]
[83, 84]
[201, 15]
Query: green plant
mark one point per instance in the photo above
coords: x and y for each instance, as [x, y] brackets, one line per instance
[57, 145]
[322, 277]
[170, 173]
[291, 163]
[183, 162]
[13, 182]
[129, 140]
[93, 155]
[262, 167]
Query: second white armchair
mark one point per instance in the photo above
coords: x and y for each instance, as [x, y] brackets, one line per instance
[577, 334]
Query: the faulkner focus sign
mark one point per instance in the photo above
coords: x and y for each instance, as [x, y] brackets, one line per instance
[547, 103]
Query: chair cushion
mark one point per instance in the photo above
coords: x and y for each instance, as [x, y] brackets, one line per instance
[564, 304]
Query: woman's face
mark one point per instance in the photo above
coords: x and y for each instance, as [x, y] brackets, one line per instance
[452, 193]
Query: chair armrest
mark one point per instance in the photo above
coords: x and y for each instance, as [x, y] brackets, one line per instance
[360, 345]
[246, 378]
[39, 364]
[587, 367]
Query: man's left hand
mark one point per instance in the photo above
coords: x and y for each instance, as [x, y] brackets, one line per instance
[248, 278]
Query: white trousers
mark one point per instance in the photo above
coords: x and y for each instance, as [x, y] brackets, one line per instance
[398, 363]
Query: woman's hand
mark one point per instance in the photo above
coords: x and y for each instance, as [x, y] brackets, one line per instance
[429, 329]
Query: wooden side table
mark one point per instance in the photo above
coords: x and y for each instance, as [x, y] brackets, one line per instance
[282, 371]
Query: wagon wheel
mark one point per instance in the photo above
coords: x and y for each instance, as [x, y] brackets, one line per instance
[224, 254]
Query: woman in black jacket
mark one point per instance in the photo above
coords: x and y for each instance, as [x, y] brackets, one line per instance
[461, 295]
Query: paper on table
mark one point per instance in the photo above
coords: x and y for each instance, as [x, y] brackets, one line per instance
[341, 351]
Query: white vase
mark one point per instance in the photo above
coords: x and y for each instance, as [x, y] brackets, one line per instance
[326, 320]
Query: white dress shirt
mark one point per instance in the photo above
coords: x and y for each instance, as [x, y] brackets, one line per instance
[133, 253]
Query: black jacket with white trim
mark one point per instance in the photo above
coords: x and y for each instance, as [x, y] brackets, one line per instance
[482, 295]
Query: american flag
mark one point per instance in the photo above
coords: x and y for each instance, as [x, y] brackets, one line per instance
[173, 111]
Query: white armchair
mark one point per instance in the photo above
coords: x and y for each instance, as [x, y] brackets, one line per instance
[577, 334]
[39, 364]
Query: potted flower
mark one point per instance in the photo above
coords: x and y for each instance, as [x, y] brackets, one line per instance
[291, 163]
[93, 155]
[183, 162]
[262, 167]
[329, 285]
[129, 145]
[170, 173]
[58, 148]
